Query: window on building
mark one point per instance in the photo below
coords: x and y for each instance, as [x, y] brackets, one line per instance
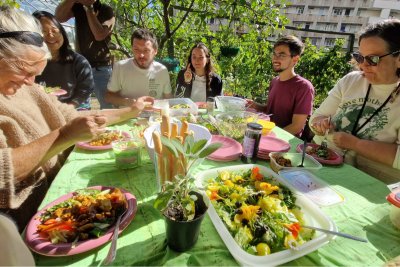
[300, 9]
[337, 11]
[347, 11]
[330, 41]
[314, 41]
[343, 27]
[307, 25]
[298, 24]
[330, 27]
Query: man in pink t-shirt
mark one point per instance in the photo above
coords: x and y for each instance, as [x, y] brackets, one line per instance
[291, 96]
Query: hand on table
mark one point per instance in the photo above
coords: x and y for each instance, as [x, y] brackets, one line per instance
[84, 128]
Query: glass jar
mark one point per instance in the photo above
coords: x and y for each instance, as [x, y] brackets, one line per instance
[251, 142]
[210, 105]
[394, 199]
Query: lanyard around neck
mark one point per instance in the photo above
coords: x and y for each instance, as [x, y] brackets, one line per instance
[390, 98]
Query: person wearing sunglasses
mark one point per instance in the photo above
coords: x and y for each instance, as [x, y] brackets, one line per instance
[66, 69]
[36, 130]
[364, 106]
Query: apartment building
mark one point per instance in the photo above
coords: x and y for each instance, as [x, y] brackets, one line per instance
[345, 16]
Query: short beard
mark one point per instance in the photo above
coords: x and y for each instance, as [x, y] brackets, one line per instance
[278, 70]
[140, 66]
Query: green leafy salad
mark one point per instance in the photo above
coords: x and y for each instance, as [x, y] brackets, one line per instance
[260, 213]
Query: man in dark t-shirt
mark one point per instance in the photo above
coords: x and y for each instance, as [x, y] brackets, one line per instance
[291, 96]
[94, 22]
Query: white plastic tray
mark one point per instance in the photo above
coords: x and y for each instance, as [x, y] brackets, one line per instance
[312, 187]
[312, 214]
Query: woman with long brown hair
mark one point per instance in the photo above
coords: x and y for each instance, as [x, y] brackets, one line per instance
[199, 80]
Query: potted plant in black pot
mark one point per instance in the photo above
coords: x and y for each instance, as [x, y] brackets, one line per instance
[181, 203]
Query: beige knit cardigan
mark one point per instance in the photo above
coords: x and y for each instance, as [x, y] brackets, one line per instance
[24, 117]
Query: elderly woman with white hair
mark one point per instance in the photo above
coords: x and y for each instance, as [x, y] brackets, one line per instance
[35, 128]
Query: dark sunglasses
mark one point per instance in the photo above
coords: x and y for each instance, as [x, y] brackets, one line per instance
[25, 37]
[371, 60]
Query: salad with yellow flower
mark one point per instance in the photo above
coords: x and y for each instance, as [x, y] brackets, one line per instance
[260, 213]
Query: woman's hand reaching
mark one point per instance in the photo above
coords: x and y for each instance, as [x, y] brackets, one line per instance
[84, 128]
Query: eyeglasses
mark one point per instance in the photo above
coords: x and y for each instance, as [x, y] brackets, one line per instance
[25, 37]
[280, 55]
[371, 60]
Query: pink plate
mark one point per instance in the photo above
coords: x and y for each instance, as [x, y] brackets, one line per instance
[272, 134]
[201, 105]
[334, 157]
[87, 146]
[58, 92]
[42, 246]
[273, 144]
[230, 148]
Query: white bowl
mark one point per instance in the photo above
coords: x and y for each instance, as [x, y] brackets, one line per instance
[200, 132]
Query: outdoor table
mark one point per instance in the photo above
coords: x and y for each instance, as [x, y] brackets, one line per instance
[364, 213]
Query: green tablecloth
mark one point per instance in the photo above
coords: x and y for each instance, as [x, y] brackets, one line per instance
[364, 213]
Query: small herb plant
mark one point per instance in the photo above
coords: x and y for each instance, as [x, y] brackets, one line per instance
[177, 200]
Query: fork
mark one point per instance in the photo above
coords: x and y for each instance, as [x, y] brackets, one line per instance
[324, 143]
[113, 248]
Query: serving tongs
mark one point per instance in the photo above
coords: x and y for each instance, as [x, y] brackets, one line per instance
[303, 154]
[336, 233]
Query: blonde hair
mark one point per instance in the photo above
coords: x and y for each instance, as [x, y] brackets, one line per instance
[12, 50]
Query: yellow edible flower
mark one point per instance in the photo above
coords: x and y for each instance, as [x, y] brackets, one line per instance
[228, 183]
[224, 175]
[247, 212]
[268, 188]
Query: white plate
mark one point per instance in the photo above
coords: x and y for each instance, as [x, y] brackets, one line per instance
[312, 214]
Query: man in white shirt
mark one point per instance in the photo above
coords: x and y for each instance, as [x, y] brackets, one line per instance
[139, 76]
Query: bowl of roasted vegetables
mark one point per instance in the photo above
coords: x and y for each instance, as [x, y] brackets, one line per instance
[289, 160]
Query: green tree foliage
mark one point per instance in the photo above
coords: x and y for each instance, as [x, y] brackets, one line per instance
[13, 3]
[324, 67]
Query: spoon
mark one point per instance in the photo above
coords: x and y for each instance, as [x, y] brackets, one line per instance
[304, 153]
[336, 233]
